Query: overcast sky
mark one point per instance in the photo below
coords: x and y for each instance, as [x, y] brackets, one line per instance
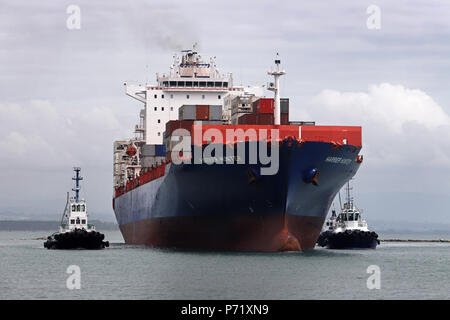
[63, 102]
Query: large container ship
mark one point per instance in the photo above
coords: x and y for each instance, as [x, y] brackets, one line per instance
[215, 166]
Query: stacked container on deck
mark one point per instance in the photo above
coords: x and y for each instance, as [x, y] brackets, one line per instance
[152, 155]
[263, 112]
[189, 115]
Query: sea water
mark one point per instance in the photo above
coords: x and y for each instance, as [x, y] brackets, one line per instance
[406, 271]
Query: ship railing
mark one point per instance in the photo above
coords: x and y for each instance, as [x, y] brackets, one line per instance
[145, 177]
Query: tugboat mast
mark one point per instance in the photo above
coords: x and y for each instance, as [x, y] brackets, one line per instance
[77, 179]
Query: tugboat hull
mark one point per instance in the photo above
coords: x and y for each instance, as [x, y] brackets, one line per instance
[349, 240]
[76, 239]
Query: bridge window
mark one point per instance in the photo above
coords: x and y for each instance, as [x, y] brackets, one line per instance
[83, 207]
[202, 84]
[225, 84]
[78, 207]
[72, 221]
[188, 83]
[83, 221]
[165, 83]
[78, 220]
[181, 83]
[210, 84]
[195, 83]
[173, 83]
[217, 84]
[74, 207]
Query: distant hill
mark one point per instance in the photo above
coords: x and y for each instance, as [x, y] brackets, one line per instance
[41, 225]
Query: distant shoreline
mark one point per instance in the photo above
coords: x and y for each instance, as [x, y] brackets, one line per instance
[43, 225]
[415, 240]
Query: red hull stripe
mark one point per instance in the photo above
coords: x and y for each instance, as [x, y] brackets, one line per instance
[350, 135]
[253, 232]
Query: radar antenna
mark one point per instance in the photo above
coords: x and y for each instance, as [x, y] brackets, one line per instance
[77, 180]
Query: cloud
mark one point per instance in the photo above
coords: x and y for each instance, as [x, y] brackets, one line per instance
[401, 126]
[36, 134]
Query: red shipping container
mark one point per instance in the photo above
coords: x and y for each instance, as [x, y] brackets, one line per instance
[265, 118]
[263, 105]
[284, 119]
[177, 124]
[202, 112]
[249, 118]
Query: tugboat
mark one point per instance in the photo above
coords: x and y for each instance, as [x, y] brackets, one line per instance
[75, 232]
[348, 230]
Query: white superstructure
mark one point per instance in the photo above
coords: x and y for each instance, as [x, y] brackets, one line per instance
[190, 81]
[349, 218]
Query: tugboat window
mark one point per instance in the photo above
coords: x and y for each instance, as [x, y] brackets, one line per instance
[83, 221]
[78, 220]
[74, 208]
[82, 208]
[72, 221]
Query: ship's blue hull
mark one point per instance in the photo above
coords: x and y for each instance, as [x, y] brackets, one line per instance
[233, 207]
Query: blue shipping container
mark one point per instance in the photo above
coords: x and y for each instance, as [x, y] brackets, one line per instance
[160, 150]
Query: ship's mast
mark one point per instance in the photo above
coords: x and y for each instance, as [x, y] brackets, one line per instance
[77, 179]
[277, 73]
